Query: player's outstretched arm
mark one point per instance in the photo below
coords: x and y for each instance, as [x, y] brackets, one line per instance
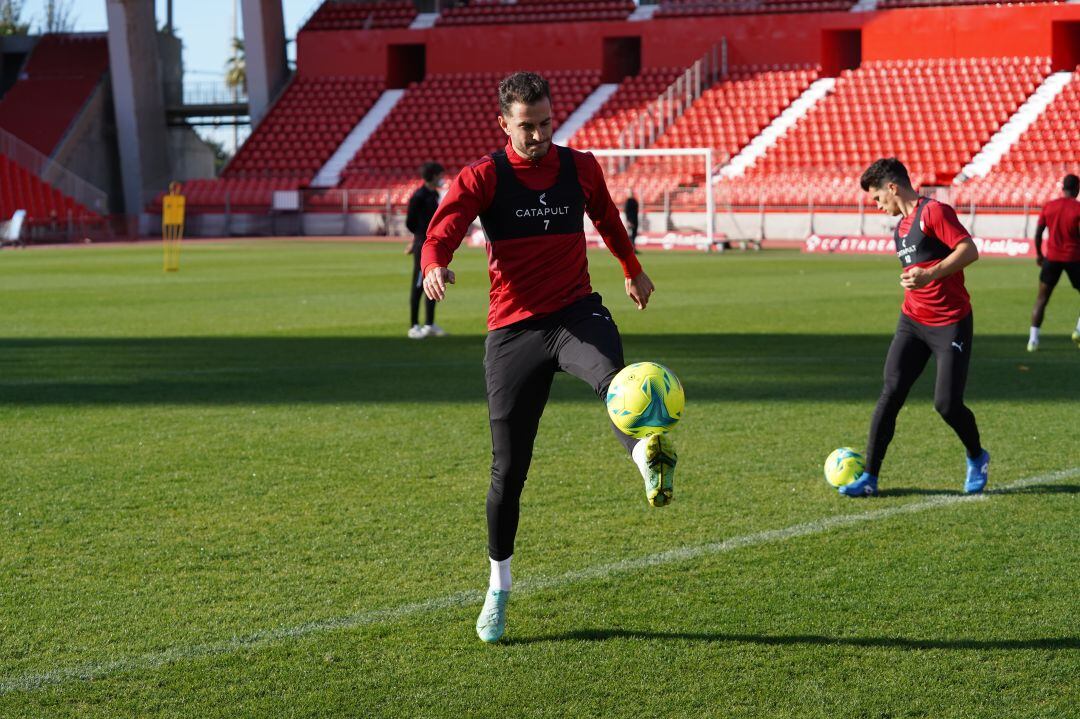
[640, 289]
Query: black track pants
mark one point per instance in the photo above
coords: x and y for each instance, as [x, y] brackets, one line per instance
[912, 346]
[519, 364]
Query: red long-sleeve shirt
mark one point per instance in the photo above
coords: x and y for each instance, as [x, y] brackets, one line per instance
[530, 276]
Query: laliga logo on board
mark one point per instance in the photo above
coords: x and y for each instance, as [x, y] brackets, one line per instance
[1007, 247]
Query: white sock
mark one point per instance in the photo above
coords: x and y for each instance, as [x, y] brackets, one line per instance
[1078, 324]
[1034, 335]
[500, 574]
[638, 452]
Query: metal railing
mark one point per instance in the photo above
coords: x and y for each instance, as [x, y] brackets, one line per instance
[672, 103]
[206, 92]
[55, 174]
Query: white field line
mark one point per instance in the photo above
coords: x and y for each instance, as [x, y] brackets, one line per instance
[142, 662]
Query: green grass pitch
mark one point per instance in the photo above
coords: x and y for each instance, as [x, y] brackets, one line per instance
[240, 491]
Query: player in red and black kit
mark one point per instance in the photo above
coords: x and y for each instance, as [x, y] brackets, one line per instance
[933, 248]
[1061, 254]
[531, 198]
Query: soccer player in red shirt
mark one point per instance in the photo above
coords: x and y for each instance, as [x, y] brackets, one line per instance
[531, 198]
[1061, 254]
[933, 249]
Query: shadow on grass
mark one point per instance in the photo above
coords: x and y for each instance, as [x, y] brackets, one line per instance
[1033, 489]
[915, 491]
[1039, 489]
[339, 369]
[600, 635]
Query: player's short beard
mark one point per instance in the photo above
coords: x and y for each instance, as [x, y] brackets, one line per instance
[530, 149]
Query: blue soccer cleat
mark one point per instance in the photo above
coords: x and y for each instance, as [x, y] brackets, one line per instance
[978, 471]
[491, 623]
[864, 486]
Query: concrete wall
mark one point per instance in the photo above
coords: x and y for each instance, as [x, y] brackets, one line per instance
[189, 157]
[89, 149]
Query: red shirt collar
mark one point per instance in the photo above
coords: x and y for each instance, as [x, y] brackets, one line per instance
[551, 159]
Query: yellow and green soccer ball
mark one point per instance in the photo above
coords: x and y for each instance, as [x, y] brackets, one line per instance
[645, 398]
[843, 466]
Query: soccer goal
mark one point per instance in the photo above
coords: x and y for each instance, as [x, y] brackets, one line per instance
[674, 183]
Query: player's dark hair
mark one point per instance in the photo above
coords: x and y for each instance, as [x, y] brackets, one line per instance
[527, 88]
[1071, 185]
[430, 170]
[884, 171]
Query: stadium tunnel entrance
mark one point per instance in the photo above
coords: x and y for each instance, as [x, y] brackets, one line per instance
[840, 50]
[622, 58]
[1065, 48]
[405, 64]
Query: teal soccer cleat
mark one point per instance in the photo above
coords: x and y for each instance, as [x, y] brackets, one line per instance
[491, 624]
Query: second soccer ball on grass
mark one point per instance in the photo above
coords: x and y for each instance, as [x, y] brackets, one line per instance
[645, 398]
[843, 466]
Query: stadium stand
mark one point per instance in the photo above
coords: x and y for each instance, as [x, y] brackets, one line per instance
[884, 4]
[361, 15]
[958, 102]
[236, 194]
[691, 8]
[307, 124]
[634, 93]
[416, 130]
[1031, 171]
[61, 74]
[22, 189]
[490, 12]
[726, 117]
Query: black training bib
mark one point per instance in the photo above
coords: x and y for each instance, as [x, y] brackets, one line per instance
[517, 212]
[916, 246]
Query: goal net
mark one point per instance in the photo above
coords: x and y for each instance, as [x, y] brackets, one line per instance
[674, 190]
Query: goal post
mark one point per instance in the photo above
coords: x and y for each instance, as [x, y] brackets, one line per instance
[706, 155]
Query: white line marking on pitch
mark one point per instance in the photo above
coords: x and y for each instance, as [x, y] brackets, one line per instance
[32, 682]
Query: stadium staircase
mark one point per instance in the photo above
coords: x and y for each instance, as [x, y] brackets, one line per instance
[330, 174]
[1010, 132]
[768, 137]
[585, 112]
[1030, 172]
